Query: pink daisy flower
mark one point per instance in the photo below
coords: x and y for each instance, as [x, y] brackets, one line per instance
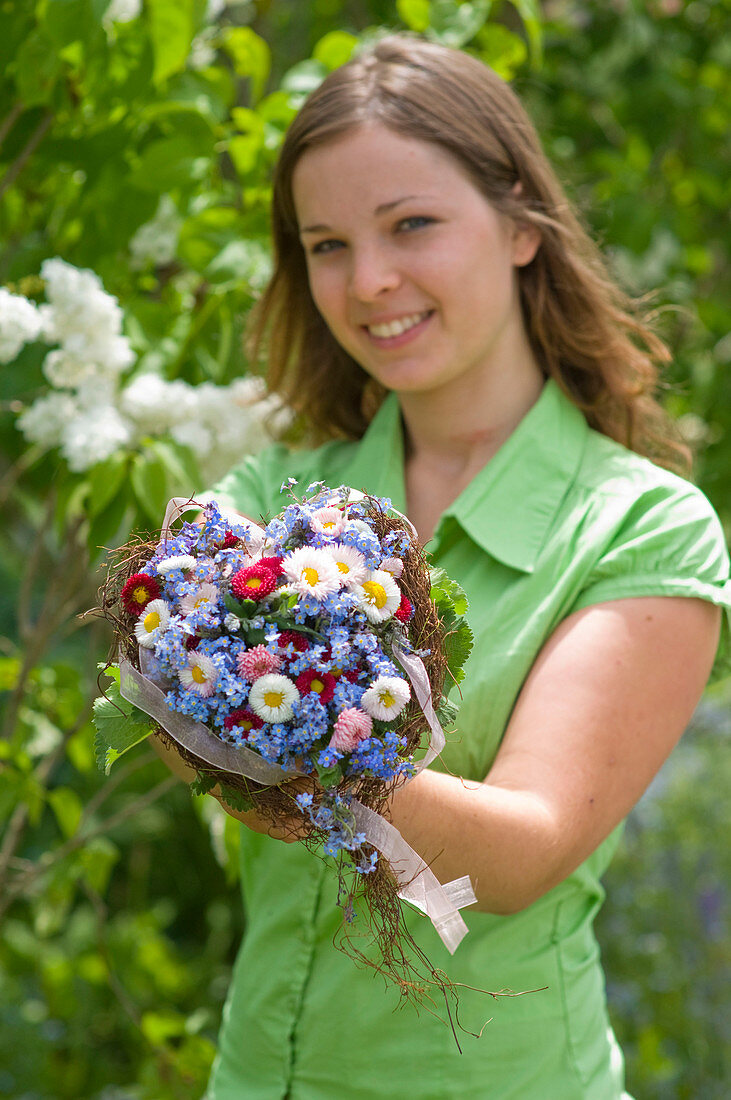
[351, 727]
[256, 662]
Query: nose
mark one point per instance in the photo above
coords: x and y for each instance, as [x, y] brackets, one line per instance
[372, 273]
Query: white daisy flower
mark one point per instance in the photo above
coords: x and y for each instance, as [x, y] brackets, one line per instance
[328, 521]
[350, 563]
[200, 674]
[386, 697]
[272, 697]
[379, 595]
[152, 623]
[179, 561]
[394, 566]
[311, 572]
[204, 598]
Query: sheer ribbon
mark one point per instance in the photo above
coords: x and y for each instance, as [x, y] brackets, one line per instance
[417, 883]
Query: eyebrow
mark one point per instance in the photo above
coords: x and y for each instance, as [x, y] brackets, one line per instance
[382, 209]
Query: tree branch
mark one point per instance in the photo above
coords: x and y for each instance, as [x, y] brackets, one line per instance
[26, 152]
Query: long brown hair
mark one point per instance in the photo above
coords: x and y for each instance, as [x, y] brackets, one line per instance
[584, 331]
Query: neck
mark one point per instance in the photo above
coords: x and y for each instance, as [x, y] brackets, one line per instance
[457, 429]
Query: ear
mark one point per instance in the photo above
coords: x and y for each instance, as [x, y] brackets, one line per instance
[526, 237]
[526, 242]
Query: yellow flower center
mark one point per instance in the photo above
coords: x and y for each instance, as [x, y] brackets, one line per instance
[198, 674]
[342, 567]
[253, 582]
[317, 685]
[200, 600]
[387, 698]
[375, 593]
[246, 724]
[329, 523]
[311, 575]
[273, 699]
[140, 595]
[151, 621]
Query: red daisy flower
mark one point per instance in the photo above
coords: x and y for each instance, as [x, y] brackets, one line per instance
[275, 564]
[254, 582]
[138, 591]
[229, 540]
[291, 637]
[191, 641]
[321, 684]
[404, 611]
[244, 718]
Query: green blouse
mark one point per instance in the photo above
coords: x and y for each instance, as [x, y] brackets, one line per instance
[559, 519]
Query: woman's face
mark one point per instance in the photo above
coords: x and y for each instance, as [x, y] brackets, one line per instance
[412, 269]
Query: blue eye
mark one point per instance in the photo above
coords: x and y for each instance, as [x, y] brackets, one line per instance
[416, 221]
[323, 247]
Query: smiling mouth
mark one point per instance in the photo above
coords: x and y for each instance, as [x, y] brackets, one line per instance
[398, 327]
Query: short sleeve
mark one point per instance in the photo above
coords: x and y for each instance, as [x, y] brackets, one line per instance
[670, 543]
[249, 487]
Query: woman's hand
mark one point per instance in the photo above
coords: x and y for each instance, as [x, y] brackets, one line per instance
[605, 703]
[291, 829]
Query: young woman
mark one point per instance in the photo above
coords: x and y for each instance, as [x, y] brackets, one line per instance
[438, 313]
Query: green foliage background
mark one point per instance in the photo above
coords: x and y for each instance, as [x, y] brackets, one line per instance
[118, 899]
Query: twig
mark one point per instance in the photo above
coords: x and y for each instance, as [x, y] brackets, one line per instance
[26, 152]
[51, 859]
[10, 119]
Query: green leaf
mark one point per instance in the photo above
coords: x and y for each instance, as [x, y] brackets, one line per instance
[150, 485]
[530, 13]
[335, 49]
[304, 77]
[97, 858]
[104, 481]
[251, 57]
[68, 21]
[67, 807]
[202, 783]
[177, 459]
[119, 725]
[329, 777]
[172, 29]
[9, 670]
[235, 799]
[414, 13]
[503, 51]
[37, 68]
[454, 24]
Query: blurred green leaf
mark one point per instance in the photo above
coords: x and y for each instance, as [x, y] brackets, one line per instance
[335, 49]
[414, 13]
[172, 29]
[67, 807]
[251, 57]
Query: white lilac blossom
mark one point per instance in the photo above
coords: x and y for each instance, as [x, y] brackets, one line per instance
[44, 421]
[156, 242]
[20, 324]
[121, 11]
[93, 435]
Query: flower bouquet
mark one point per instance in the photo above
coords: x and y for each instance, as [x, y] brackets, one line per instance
[300, 669]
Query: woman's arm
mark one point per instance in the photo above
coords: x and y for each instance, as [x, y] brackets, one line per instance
[606, 701]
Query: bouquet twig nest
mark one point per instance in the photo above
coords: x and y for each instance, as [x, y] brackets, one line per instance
[290, 643]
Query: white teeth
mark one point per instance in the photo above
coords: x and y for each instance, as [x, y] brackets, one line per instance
[395, 328]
